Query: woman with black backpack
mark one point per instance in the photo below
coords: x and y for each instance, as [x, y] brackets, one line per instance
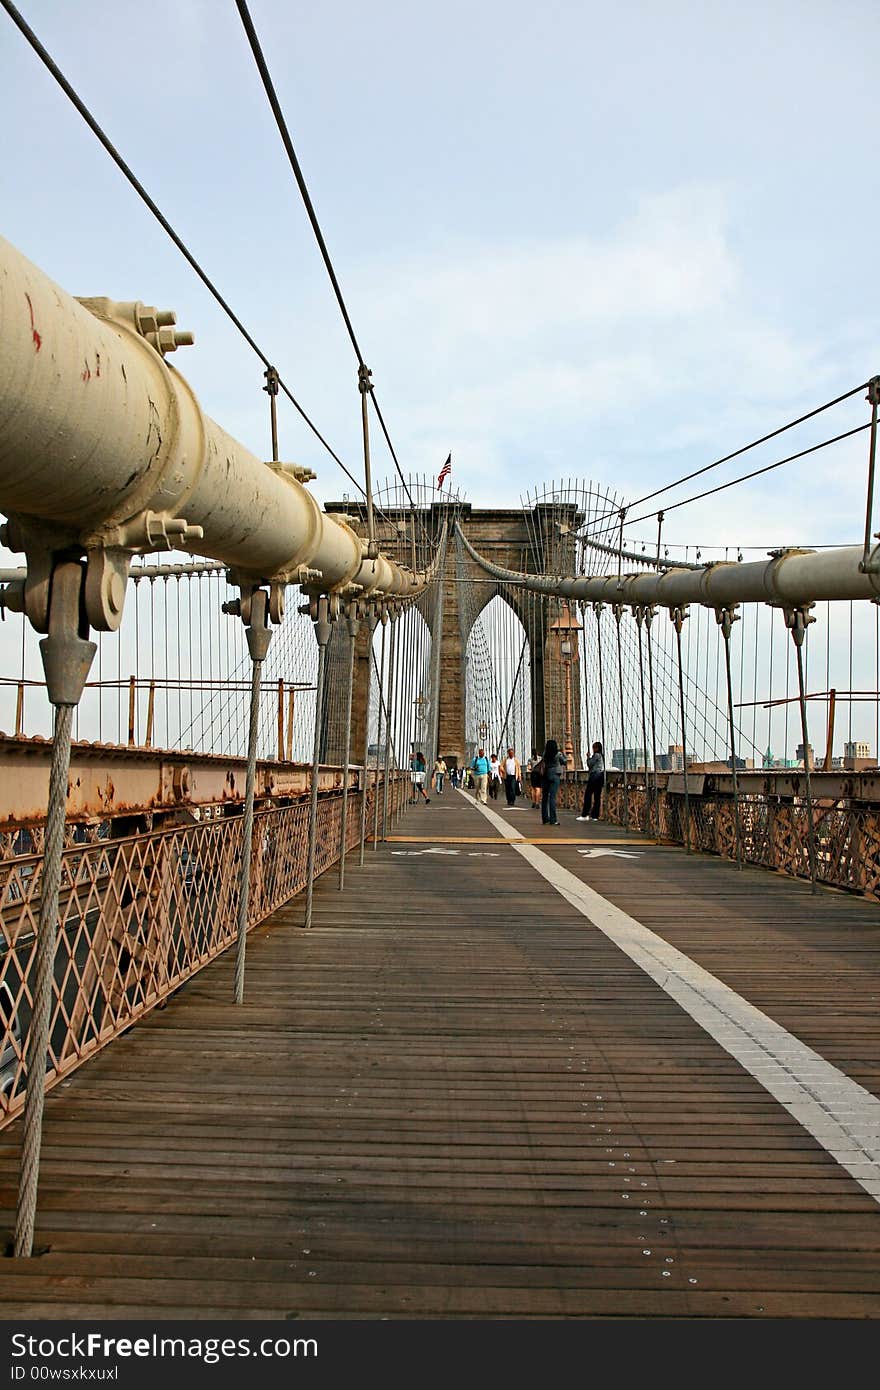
[554, 766]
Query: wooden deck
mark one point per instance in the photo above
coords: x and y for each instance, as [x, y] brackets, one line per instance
[456, 1098]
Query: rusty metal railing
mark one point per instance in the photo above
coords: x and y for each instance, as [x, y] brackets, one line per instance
[139, 916]
[774, 828]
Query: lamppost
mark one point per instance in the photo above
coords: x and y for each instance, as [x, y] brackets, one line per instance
[565, 629]
[421, 710]
[483, 731]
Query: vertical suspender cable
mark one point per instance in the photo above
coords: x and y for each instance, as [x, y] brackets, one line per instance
[258, 638]
[353, 625]
[37, 1046]
[389, 733]
[649, 612]
[371, 628]
[597, 609]
[322, 634]
[67, 657]
[798, 619]
[726, 618]
[639, 614]
[678, 616]
[386, 618]
[617, 609]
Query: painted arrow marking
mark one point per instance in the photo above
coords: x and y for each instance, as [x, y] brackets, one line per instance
[616, 853]
[424, 851]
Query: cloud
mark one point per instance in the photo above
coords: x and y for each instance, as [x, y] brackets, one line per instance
[642, 346]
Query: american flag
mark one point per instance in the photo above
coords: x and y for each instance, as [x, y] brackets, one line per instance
[445, 471]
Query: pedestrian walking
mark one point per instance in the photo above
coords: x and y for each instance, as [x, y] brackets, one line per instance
[494, 776]
[480, 774]
[417, 769]
[512, 777]
[595, 783]
[439, 775]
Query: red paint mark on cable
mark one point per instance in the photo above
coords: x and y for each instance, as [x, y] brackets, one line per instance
[38, 341]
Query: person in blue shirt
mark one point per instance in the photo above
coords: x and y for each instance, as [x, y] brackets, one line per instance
[480, 769]
[417, 777]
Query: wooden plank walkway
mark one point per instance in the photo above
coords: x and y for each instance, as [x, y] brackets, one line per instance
[455, 1098]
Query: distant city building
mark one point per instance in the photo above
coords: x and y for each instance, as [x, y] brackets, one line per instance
[857, 756]
[857, 750]
[673, 759]
[635, 758]
[799, 755]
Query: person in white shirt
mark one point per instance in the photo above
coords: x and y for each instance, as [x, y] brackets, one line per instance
[494, 776]
[512, 777]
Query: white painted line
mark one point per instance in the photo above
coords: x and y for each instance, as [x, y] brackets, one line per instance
[839, 1113]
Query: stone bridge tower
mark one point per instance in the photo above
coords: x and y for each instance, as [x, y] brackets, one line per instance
[533, 542]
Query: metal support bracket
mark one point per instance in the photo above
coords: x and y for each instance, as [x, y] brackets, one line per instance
[797, 620]
[678, 616]
[67, 654]
[726, 617]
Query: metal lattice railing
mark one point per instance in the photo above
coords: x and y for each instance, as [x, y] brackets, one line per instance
[139, 916]
[774, 831]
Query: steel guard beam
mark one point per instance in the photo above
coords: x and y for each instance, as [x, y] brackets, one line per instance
[790, 579]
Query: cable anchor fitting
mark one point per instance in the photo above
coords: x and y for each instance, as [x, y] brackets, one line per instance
[797, 620]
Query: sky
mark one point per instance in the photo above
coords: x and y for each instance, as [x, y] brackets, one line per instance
[575, 240]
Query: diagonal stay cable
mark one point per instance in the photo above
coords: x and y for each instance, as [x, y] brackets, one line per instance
[847, 434]
[819, 410]
[272, 97]
[142, 193]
